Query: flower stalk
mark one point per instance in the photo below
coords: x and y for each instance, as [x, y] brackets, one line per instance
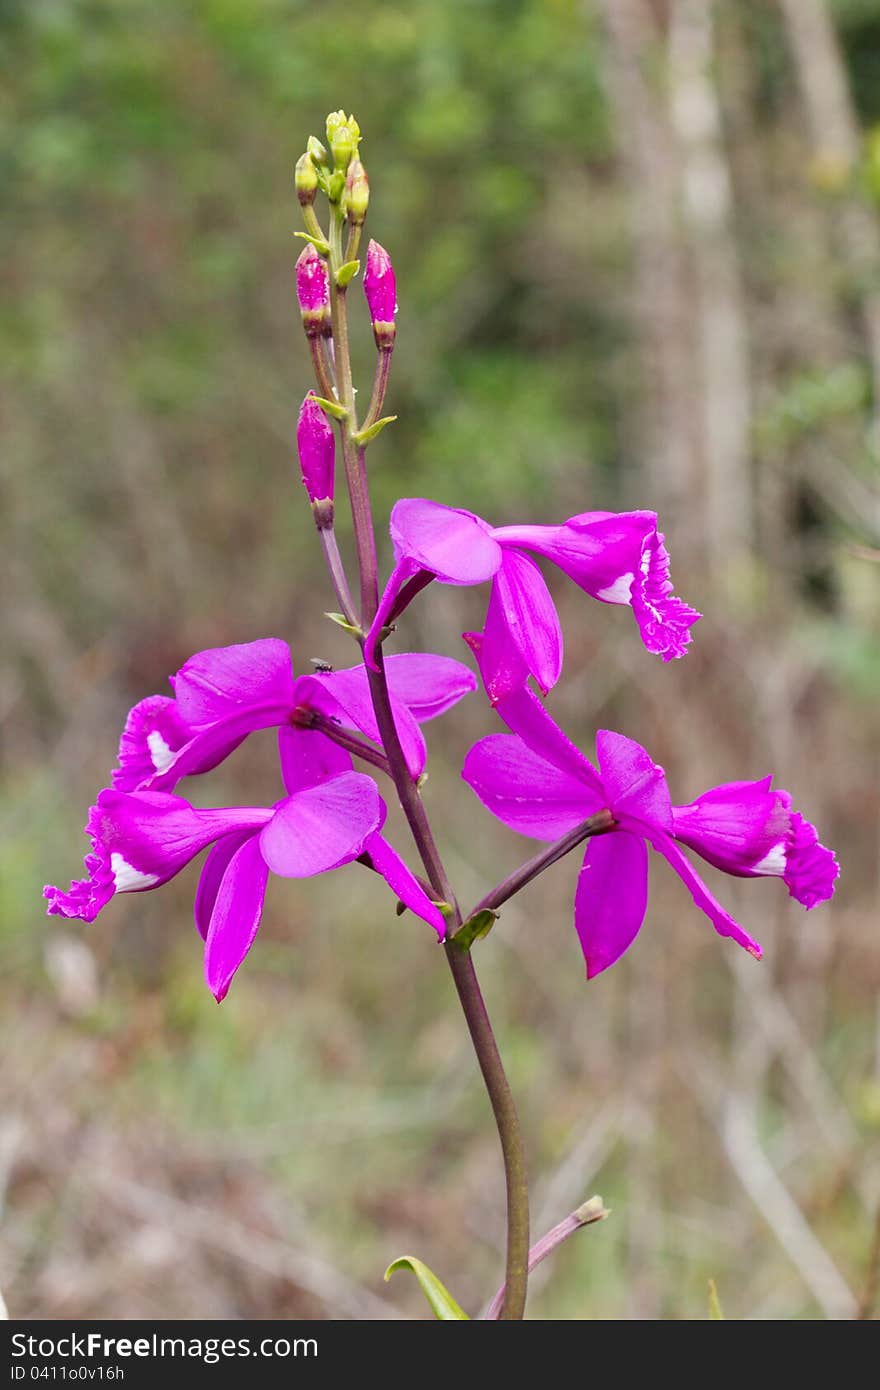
[380, 297]
[599, 824]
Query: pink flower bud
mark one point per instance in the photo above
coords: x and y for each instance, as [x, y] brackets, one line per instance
[380, 286]
[317, 455]
[312, 286]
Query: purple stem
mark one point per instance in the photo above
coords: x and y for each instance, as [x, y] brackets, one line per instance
[380, 386]
[321, 362]
[338, 575]
[599, 824]
[460, 962]
[410, 589]
[307, 718]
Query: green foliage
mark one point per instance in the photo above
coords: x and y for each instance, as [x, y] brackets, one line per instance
[443, 1305]
[811, 399]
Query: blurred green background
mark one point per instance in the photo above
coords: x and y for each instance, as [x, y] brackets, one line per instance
[637, 245]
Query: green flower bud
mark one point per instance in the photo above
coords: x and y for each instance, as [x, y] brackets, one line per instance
[343, 136]
[357, 193]
[306, 180]
[317, 152]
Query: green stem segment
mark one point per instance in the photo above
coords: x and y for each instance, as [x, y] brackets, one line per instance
[460, 962]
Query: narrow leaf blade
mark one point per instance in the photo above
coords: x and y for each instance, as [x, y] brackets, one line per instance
[318, 242]
[365, 436]
[716, 1313]
[443, 1305]
[334, 408]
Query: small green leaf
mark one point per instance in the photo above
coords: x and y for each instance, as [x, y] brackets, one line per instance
[443, 1305]
[364, 436]
[339, 412]
[346, 273]
[318, 242]
[341, 621]
[475, 928]
[715, 1311]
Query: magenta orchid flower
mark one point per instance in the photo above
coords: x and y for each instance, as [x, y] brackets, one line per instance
[330, 817]
[224, 694]
[541, 785]
[615, 557]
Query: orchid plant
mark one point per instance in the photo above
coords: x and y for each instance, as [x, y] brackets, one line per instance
[369, 717]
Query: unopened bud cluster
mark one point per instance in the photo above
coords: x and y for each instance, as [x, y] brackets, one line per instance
[325, 268]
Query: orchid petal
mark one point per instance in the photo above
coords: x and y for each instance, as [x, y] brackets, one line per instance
[141, 840]
[636, 786]
[403, 571]
[521, 606]
[400, 879]
[611, 898]
[524, 714]
[810, 869]
[153, 734]
[664, 620]
[502, 664]
[427, 684]
[617, 558]
[722, 921]
[345, 696]
[209, 746]
[217, 683]
[309, 758]
[750, 830]
[213, 869]
[736, 826]
[453, 544]
[322, 827]
[524, 791]
[237, 910]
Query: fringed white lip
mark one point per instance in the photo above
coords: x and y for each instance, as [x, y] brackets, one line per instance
[127, 879]
[160, 754]
[618, 592]
[773, 862]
